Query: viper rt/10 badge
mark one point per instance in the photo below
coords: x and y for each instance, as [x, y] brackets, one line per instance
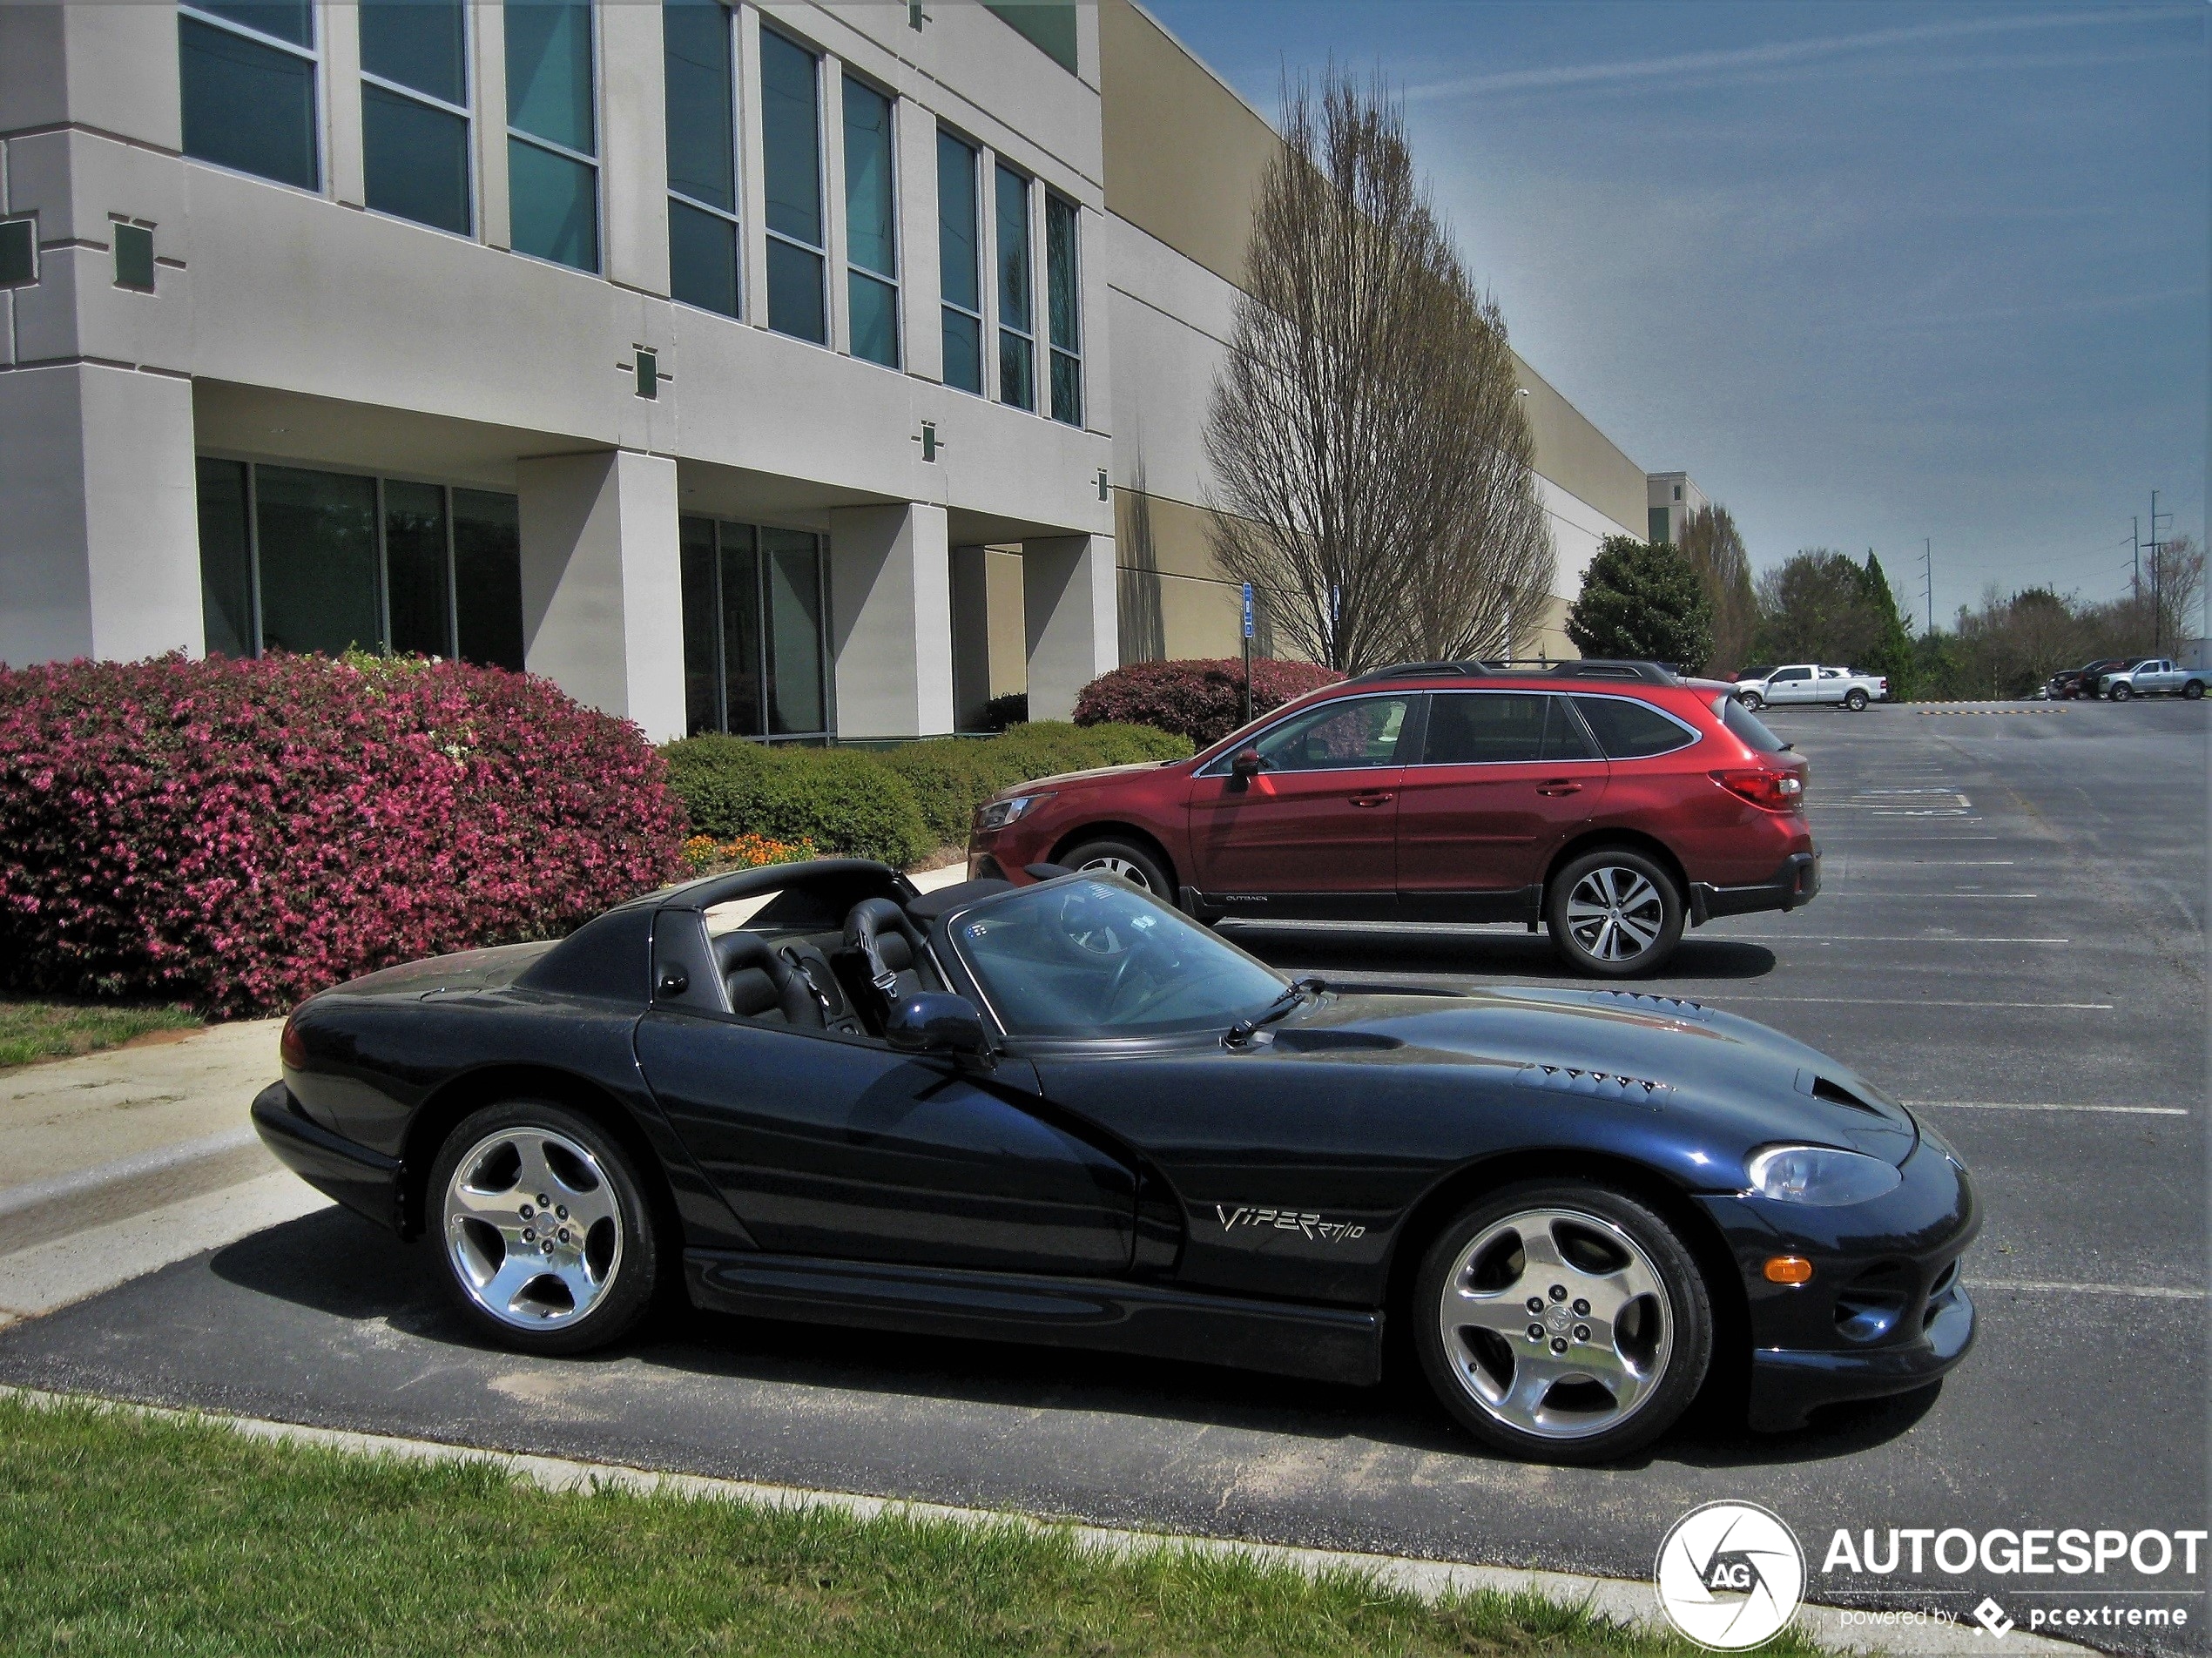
[1286, 1220]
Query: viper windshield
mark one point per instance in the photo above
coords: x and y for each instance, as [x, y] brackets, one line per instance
[1096, 957]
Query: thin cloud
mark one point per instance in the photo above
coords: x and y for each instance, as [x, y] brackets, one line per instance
[1775, 54]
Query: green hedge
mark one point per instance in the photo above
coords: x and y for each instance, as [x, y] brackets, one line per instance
[896, 803]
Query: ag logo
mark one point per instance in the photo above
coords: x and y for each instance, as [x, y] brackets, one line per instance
[1729, 1574]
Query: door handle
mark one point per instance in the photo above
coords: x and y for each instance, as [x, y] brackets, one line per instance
[1372, 799]
[1560, 786]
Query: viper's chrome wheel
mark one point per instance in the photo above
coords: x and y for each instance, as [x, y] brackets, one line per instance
[1615, 913]
[1556, 1323]
[533, 1228]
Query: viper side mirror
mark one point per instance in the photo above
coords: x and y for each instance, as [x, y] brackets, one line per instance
[930, 1021]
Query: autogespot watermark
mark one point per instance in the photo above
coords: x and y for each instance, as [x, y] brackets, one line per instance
[1731, 1574]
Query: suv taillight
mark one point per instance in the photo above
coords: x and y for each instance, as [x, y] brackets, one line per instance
[1770, 791]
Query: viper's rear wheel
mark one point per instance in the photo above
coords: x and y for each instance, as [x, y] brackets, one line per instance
[1562, 1321]
[548, 1239]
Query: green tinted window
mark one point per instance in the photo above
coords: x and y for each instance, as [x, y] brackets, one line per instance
[318, 561]
[549, 71]
[418, 43]
[414, 568]
[488, 578]
[226, 559]
[702, 146]
[246, 104]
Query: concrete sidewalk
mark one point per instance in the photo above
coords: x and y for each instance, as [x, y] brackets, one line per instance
[119, 1163]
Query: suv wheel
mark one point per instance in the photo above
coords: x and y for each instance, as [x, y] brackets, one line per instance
[1562, 1322]
[1855, 700]
[548, 1239]
[1614, 912]
[1132, 863]
[1752, 699]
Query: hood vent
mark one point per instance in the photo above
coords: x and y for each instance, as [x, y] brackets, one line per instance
[1837, 1093]
[1599, 1085]
[1667, 1006]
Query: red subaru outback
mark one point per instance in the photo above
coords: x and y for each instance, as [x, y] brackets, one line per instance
[1613, 801]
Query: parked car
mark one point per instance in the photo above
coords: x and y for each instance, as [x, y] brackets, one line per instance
[2070, 683]
[2155, 677]
[1612, 802]
[1806, 683]
[1065, 1113]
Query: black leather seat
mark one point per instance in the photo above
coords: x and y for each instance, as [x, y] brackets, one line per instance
[762, 984]
[891, 947]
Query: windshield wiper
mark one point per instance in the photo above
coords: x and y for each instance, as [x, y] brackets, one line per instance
[1243, 1031]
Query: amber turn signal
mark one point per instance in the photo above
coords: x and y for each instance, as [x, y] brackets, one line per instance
[1788, 1268]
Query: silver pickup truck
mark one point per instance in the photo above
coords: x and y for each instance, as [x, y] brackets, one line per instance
[2155, 677]
[1808, 682]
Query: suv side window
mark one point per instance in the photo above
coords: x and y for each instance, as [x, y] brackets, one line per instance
[1484, 728]
[1628, 730]
[1337, 737]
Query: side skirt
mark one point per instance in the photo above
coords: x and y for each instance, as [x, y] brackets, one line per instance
[1320, 1343]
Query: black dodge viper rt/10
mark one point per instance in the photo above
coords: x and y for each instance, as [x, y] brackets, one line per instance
[1064, 1112]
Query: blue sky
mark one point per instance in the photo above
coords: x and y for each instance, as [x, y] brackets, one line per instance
[1870, 271]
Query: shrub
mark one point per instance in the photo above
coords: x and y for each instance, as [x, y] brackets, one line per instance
[233, 836]
[1002, 712]
[1201, 699]
[950, 777]
[844, 800]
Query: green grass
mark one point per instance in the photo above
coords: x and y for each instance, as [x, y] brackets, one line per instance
[122, 1534]
[34, 1030]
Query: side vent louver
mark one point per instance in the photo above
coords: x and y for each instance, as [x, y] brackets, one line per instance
[1837, 1093]
[1598, 1085]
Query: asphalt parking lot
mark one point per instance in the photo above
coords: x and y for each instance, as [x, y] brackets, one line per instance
[2011, 934]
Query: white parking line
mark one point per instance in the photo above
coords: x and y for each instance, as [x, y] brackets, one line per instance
[2151, 1291]
[1907, 1002]
[2016, 1105]
[1922, 897]
[1891, 937]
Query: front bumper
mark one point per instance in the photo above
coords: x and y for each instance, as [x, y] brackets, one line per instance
[366, 1182]
[1796, 882]
[1885, 1312]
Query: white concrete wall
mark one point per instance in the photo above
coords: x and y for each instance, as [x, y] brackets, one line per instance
[891, 621]
[602, 583]
[1068, 596]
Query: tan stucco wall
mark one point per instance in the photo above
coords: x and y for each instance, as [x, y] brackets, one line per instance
[1578, 458]
[1184, 154]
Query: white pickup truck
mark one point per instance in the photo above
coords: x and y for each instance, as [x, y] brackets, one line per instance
[2155, 677]
[1808, 682]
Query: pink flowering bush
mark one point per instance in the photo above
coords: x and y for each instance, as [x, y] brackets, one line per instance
[234, 836]
[1198, 698]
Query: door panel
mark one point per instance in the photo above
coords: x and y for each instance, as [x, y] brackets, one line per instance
[1321, 818]
[831, 1146]
[1508, 777]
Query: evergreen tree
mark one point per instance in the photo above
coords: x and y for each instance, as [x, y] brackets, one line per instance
[1891, 652]
[1645, 601]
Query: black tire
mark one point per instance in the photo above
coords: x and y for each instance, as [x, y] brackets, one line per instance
[2121, 693]
[1855, 700]
[2194, 691]
[624, 1246]
[1562, 895]
[1126, 859]
[1473, 1371]
[1752, 699]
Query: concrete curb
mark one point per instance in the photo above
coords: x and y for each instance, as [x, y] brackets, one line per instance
[1625, 1600]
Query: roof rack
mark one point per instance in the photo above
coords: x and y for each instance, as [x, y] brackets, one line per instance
[1650, 673]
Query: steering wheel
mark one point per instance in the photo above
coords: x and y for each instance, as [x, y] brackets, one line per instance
[1092, 939]
[1147, 993]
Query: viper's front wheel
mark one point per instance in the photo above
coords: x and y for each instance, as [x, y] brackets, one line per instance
[1562, 1321]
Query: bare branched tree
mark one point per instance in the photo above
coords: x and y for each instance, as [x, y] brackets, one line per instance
[1372, 460]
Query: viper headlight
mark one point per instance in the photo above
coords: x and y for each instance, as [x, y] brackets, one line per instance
[997, 815]
[1820, 1176]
